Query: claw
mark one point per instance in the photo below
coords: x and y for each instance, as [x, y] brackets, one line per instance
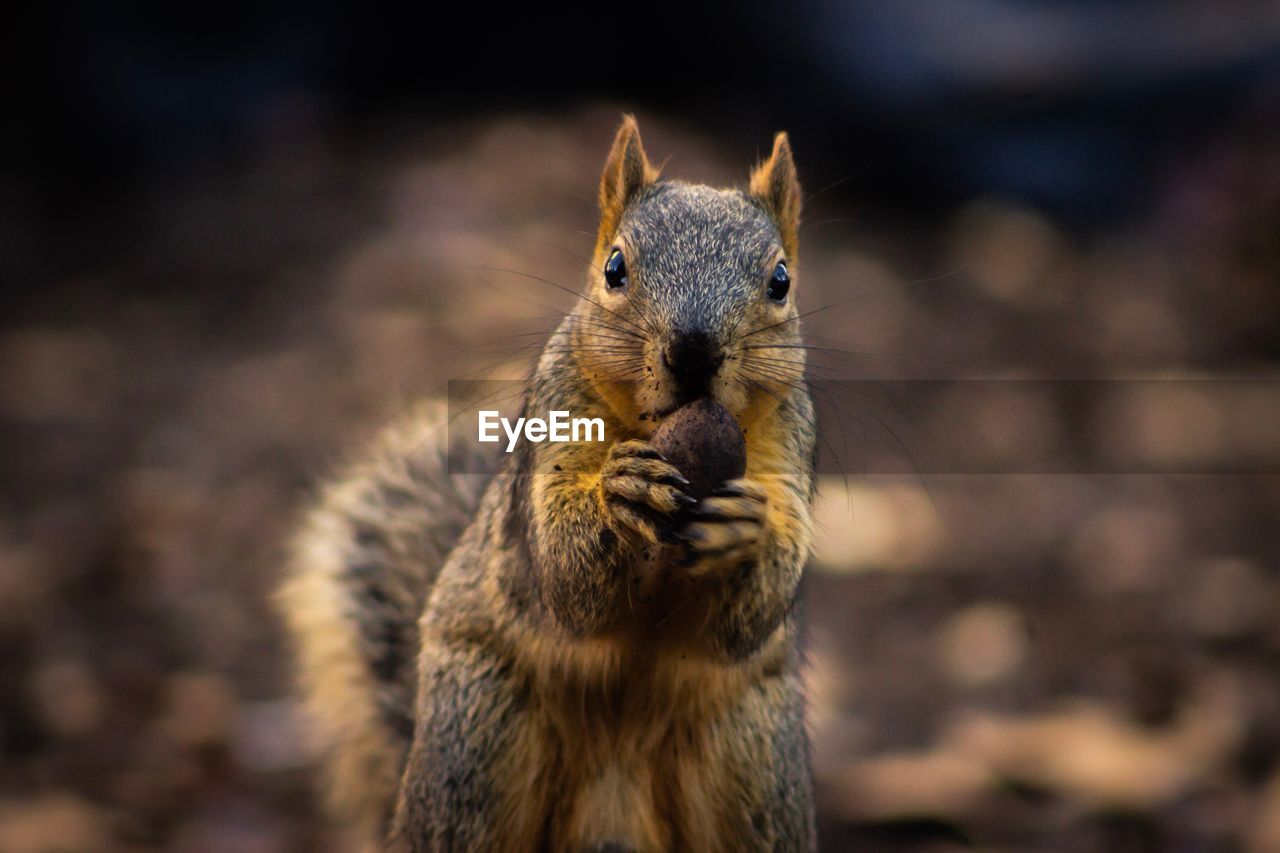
[729, 509]
[691, 535]
[644, 491]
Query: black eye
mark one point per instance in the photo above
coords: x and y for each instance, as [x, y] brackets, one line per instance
[615, 270]
[779, 284]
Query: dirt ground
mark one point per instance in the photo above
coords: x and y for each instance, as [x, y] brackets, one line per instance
[1025, 662]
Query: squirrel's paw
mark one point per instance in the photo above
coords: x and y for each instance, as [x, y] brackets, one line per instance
[642, 491]
[724, 529]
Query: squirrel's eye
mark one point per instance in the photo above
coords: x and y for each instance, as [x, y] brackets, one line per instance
[779, 283]
[615, 270]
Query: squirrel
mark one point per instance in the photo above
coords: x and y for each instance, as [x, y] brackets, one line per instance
[573, 653]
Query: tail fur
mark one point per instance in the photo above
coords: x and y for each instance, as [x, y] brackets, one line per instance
[360, 572]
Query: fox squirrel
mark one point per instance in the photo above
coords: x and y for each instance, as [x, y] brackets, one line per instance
[572, 655]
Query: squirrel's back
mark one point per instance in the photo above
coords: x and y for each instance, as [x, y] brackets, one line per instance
[361, 569]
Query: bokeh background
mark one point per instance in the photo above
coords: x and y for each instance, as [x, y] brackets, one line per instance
[236, 240]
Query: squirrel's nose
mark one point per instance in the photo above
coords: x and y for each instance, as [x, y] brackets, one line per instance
[693, 359]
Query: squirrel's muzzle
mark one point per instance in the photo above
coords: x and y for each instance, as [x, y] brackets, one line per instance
[693, 358]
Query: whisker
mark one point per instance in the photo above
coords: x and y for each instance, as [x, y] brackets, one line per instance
[852, 298]
[882, 384]
[813, 424]
[826, 399]
[849, 177]
[828, 221]
[800, 316]
[858, 352]
[593, 321]
[590, 265]
[559, 286]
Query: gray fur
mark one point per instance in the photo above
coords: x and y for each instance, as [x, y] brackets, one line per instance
[697, 255]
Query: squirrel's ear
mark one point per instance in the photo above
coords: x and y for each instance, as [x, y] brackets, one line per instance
[775, 185]
[626, 172]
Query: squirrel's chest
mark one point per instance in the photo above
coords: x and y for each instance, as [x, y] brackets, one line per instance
[629, 757]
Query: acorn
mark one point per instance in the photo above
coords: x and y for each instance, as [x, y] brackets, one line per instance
[704, 441]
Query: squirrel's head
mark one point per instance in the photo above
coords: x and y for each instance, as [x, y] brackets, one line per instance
[692, 291]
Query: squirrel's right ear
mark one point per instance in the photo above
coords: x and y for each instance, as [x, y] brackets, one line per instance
[626, 172]
[775, 185]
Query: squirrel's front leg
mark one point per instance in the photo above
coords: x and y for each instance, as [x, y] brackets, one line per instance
[589, 529]
[747, 544]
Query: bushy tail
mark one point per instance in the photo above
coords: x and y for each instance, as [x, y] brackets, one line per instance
[361, 569]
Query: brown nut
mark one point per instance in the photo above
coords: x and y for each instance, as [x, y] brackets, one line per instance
[705, 442]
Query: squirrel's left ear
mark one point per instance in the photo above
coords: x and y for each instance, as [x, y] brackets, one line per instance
[775, 185]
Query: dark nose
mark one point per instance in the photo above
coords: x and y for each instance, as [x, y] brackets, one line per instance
[693, 359]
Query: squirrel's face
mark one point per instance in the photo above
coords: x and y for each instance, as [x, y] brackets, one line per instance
[699, 280]
[692, 292]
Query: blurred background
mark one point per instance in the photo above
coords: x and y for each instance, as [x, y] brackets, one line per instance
[235, 240]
